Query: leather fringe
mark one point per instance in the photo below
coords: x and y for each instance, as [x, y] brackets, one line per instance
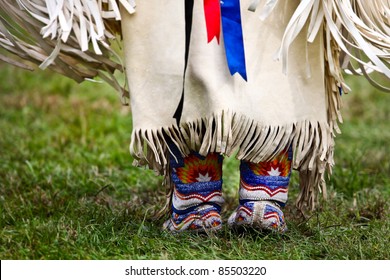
[71, 38]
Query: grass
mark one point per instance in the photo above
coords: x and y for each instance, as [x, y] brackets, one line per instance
[68, 189]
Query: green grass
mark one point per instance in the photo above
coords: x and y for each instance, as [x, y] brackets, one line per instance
[68, 189]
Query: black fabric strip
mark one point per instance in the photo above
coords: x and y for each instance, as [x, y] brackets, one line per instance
[189, 8]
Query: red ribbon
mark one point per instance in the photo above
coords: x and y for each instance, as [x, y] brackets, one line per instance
[212, 12]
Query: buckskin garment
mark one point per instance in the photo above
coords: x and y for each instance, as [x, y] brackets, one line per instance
[245, 78]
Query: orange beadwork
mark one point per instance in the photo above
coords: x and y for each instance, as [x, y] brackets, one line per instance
[198, 169]
[280, 164]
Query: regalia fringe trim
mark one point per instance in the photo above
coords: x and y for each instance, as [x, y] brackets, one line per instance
[233, 134]
[359, 28]
[71, 37]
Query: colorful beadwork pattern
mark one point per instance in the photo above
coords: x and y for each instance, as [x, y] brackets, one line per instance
[264, 215]
[197, 194]
[196, 181]
[263, 190]
[266, 180]
[202, 218]
[195, 168]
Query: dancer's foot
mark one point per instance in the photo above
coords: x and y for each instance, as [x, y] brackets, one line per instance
[262, 215]
[204, 218]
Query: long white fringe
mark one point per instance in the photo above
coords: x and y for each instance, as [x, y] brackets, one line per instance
[69, 36]
[360, 28]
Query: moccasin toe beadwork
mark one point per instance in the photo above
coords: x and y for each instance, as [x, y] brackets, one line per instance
[204, 218]
[262, 215]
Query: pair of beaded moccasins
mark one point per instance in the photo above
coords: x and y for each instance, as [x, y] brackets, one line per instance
[197, 195]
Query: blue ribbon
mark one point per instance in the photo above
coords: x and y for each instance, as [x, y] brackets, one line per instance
[233, 37]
